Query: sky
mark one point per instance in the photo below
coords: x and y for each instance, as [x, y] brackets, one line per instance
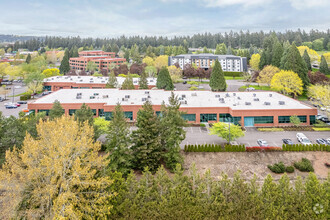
[113, 18]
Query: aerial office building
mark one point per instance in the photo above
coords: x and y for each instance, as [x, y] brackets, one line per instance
[250, 109]
[87, 82]
[102, 59]
[228, 62]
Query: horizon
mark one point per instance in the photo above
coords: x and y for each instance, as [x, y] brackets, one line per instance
[103, 19]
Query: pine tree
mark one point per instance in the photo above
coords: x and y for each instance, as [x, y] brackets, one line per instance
[112, 82]
[164, 80]
[146, 148]
[83, 114]
[65, 66]
[28, 59]
[307, 60]
[172, 132]
[56, 111]
[217, 79]
[143, 82]
[126, 55]
[128, 83]
[118, 143]
[286, 47]
[324, 66]
[277, 54]
[294, 62]
[263, 59]
[75, 52]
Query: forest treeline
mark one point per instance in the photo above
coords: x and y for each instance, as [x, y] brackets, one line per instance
[233, 39]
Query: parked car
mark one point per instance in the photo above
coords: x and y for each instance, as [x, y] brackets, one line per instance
[46, 93]
[6, 82]
[8, 103]
[303, 139]
[328, 141]
[287, 141]
[184, 82]
[10, 106]
[2, 99]
[321, 141]
[184, 77]
[325, 119]
[318, 117]
[250, 89]
[22, 102]
[233, 143]
[25, 110]
[262, 143]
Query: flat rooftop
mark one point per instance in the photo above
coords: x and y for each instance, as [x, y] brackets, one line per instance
[94, 80]
[236, 101]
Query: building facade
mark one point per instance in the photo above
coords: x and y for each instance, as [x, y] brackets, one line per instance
[87, 82]
[228, 62]
[102, 59]
[259, 109]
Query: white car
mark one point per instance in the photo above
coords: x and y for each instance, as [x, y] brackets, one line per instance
[250, 89]
[303, 139]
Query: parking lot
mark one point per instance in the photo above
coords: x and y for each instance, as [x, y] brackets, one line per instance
[15, 111]
[200, 135]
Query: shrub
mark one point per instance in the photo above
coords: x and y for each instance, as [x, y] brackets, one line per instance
[193, 88]
[321, 129]
[134, 75]
[193, 83]
[304, 165]
[265, 149]
[202, 125]
[25, 97]
[277, 167]
[233, 74]
[122, 75]
[270, 129]
[289, 169]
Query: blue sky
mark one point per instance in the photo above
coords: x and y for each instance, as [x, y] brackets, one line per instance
[112, 18]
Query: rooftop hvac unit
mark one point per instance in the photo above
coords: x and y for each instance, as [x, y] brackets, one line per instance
[134, 82]
[247, 103]
[78, 97]
[281, 102]
[81, 80]
[239, 98]
[102, 81]
[183, 96]
[71, 79]
[95, 94]
[183, 101]
[217, 96]
[78, 77]
[79, 93]
[127, 96]
[270, 95]
[144, 99]
[194, 94]
[149, 97]
[227, 95]
[234, 94]
[266, 103]
[91, 97]
[151, 81]
[146, 92]
[256, 99]
[105, 96]
[254, 95]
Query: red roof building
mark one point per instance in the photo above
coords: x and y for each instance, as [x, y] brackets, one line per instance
[102, 59]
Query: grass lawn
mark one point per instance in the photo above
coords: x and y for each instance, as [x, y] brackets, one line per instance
[328, 76]
[236, 78]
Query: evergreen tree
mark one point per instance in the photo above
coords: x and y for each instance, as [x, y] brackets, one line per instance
[143, 82]
[112, 82]
[65, 66]
[146, 148]
[294, 62]
[217, 79]
[56, 111]
[126, 55]
[164, 80]
[172, 132]
[28, 59]
[307, 60]
[277, 54]
[263, 59]
[83, 114]
[118, 143]
[324, 66]
[286, 47]
[75, 52]
[128, 83]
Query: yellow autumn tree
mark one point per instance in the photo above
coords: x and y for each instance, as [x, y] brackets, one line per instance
[59, 175]
[327, 57]
[161, 61]
[51, 72]
[320, 95]
[3, 67]
[13, 71]
[266, 74]
[255, 60]
[149, 61]
[175, 73]
[313, 55]
[287, 82]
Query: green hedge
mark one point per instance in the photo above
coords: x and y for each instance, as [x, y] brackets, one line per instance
[233, 74]
[304, 165]
[214, 148]
[301, 147]
[24, 97]
[280, 168]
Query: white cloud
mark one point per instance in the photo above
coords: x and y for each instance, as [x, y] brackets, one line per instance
[244, 3]
[306, 4]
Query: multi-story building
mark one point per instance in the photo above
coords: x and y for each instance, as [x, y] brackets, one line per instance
[250, 109]
[87, 82]
[102, 59]
[228, 62]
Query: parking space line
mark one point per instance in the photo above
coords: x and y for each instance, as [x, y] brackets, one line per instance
[275, 144]
[200, 130]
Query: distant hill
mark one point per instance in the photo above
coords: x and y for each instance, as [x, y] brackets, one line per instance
[13, 38]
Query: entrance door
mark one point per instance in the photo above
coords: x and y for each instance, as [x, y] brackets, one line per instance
[248, 121]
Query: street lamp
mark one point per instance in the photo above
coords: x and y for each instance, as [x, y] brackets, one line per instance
[229, 128]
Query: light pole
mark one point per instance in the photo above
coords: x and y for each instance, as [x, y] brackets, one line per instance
[229, 128]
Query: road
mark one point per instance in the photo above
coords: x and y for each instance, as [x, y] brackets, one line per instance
[19, 88]
[200, 135]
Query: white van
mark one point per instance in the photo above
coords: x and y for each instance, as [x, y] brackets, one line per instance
[303, 139]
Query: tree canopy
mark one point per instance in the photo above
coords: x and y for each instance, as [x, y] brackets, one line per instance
[217, 79]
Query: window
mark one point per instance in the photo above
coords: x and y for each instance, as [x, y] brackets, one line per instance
[101, 112]
[94, 111]
[84, 87]
[283, 119]
[264, 120]
[312, 119]
[189, 117]
[129, 115]
[303, 118]
[229, 118]
[75, 87]
[48, 88]
[158, 113]
[72, 111]
[208, 117]
[108, 116]
[44, 110]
